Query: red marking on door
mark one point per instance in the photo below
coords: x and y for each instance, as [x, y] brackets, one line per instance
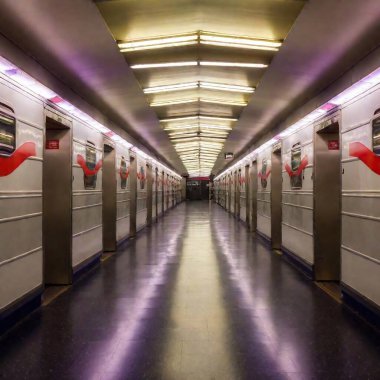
[52, 144]
[333, 144]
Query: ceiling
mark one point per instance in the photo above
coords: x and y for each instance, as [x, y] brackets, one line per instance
[200, 99]
[75, 41]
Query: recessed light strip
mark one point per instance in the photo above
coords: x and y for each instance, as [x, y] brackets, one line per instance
[170, 88]
[159, 42]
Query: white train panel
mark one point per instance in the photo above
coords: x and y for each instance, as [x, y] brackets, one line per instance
[141, 207]
[87, 192]
[243, 199]
[297, 194]
[361, 195]
[123, 195]
[21, 146]
[264, 192]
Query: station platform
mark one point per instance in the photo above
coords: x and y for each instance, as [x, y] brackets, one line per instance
[194, 296]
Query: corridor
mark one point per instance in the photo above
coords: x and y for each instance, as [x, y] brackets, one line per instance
[195, 296]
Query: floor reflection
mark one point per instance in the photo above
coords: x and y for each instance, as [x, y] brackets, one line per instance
[195, 296]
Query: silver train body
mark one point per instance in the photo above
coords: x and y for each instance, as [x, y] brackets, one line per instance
[316, 196]
[53, 179]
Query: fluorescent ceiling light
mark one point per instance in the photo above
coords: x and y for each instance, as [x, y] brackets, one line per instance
[224, 102]
[217, 118]
[159, 43]
[171, 119]
[170, 88]
[173, 102]
[163, 65]
[233, 64]
[177, 127]
[220, 127]
[226, 87]
[184, 133]
[239, 42]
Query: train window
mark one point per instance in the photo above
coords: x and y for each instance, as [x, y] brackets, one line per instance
[263, 177]
[376, 132]
[296, 180]
[90, 181]
[123, 172]
[142, 178]
[7, 130]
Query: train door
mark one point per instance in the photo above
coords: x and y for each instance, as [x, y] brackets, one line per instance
[276, 198]
[57, 201]
[109, 184]
[253, 195]
[133, 195]
[149, 194]
[237, 193]
[229, 195]
[327, 203]
[162, 192]
[247, 197]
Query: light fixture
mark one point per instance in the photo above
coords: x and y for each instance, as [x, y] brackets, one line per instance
[170, 88]
[217, 127]
[208, 38]
[180, 127]
[173, 102]
[184, 133]
[163, 65]
[159, 43]
[171, 119]
[224, 102]
[233, 64]
[217, 118]
[226, 87]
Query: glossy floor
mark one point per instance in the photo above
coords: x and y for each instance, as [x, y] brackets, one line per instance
[193, 297]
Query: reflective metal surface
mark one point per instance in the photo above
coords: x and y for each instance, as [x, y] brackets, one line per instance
[276, 199]
[327, 205]
[192, 297]
[109, 197]
[57, 204]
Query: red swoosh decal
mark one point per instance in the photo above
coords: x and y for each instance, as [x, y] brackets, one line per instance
[296, 173]
[266, 175]
[9, 164]
[88, 172]
[370, 159]
[124, 175]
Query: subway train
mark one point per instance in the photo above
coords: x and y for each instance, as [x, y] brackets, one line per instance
[68, 192]
[313, 192]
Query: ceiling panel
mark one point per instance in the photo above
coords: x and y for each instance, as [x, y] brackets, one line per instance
[149, 34]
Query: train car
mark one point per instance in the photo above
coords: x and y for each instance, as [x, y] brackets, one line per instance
[22, 127]
[123, 198]
[243, 193]
[154, 191]
[264, 193]
[298, 195]
[86, 193]
[160, 187]
[360, 253]
[141, 204]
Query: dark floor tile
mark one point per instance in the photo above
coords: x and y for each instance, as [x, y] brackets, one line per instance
[195, 296]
